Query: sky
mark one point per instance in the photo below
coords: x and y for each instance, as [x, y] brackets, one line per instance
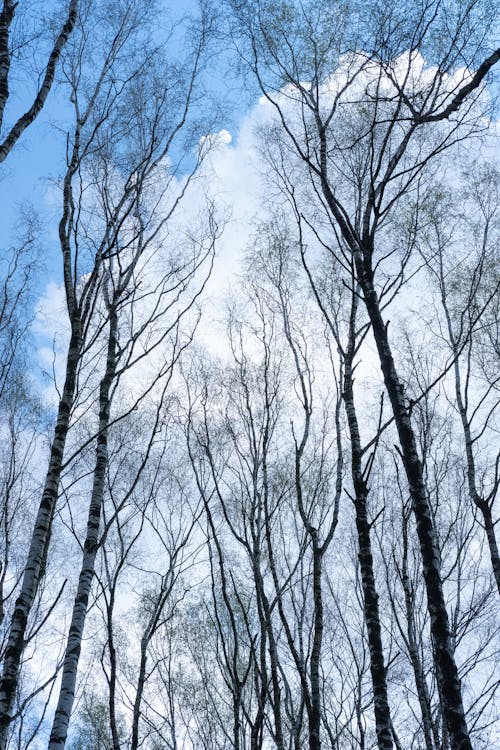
[233, 175]
[31, 177]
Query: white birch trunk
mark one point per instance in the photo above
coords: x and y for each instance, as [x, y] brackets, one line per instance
[38, 103]
[39, 545]
[64, 708]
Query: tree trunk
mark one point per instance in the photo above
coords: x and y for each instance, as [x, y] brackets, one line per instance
[39, 542]
[492, 542]
[431, 736]
[265, 618]
[480, 502]
[73, 646]
[314, 670]
[383, 721]
[48, 79]
[141, 682]
[112, 673]
[444, 657]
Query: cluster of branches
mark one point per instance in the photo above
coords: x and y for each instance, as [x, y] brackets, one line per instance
[130, 297]
[291, 545]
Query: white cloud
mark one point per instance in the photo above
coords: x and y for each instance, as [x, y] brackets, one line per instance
[233, 177]
[221, 138]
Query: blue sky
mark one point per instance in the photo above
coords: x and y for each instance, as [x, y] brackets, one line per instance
[32, 171]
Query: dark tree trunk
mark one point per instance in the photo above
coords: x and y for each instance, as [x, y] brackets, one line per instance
[383, 722]
[265, 617]
[480, 502]
[38, 103]
[314, 669]
[444, 657]
[431, 735]
[492, 542]
[112, 674]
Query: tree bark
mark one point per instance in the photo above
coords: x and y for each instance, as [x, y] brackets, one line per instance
[444, 657]
[383, 721]
[6, 18]
[490, 533]
[265, 618]
[48, 79]
[314, 669]
[113, 724]
[480, 502]
[39, 542]
[73, 647]
[431, 736]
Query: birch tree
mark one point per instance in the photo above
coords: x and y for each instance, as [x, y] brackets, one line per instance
[14, 38]
[407, 115]
[274, 498]
[126, 163]
[349, 344]
[146, 554]
[468, 301]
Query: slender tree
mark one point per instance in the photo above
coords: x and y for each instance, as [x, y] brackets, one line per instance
[469, 305]
[126, 164]
[10, 135]
[400, 103]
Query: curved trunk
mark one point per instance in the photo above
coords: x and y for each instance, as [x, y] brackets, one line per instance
[38, 103]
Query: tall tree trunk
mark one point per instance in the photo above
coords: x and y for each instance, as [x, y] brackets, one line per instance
[261, 687]
[315, 663]
[73, 646]
[383, 721]
[489, 527]
[141, 683]
[431, 736]
[39, 541]
[480, 502]
[265, 618]
[444, 657]
[113, 724]
[6, 18]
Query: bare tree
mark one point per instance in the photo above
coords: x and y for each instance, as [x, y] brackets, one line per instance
[22, 262]
[279, 506]
[361, 175]
[147, 530]
[17, 398]
[468, 290]
[173, 297]
[360, 471]
[104, 234]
